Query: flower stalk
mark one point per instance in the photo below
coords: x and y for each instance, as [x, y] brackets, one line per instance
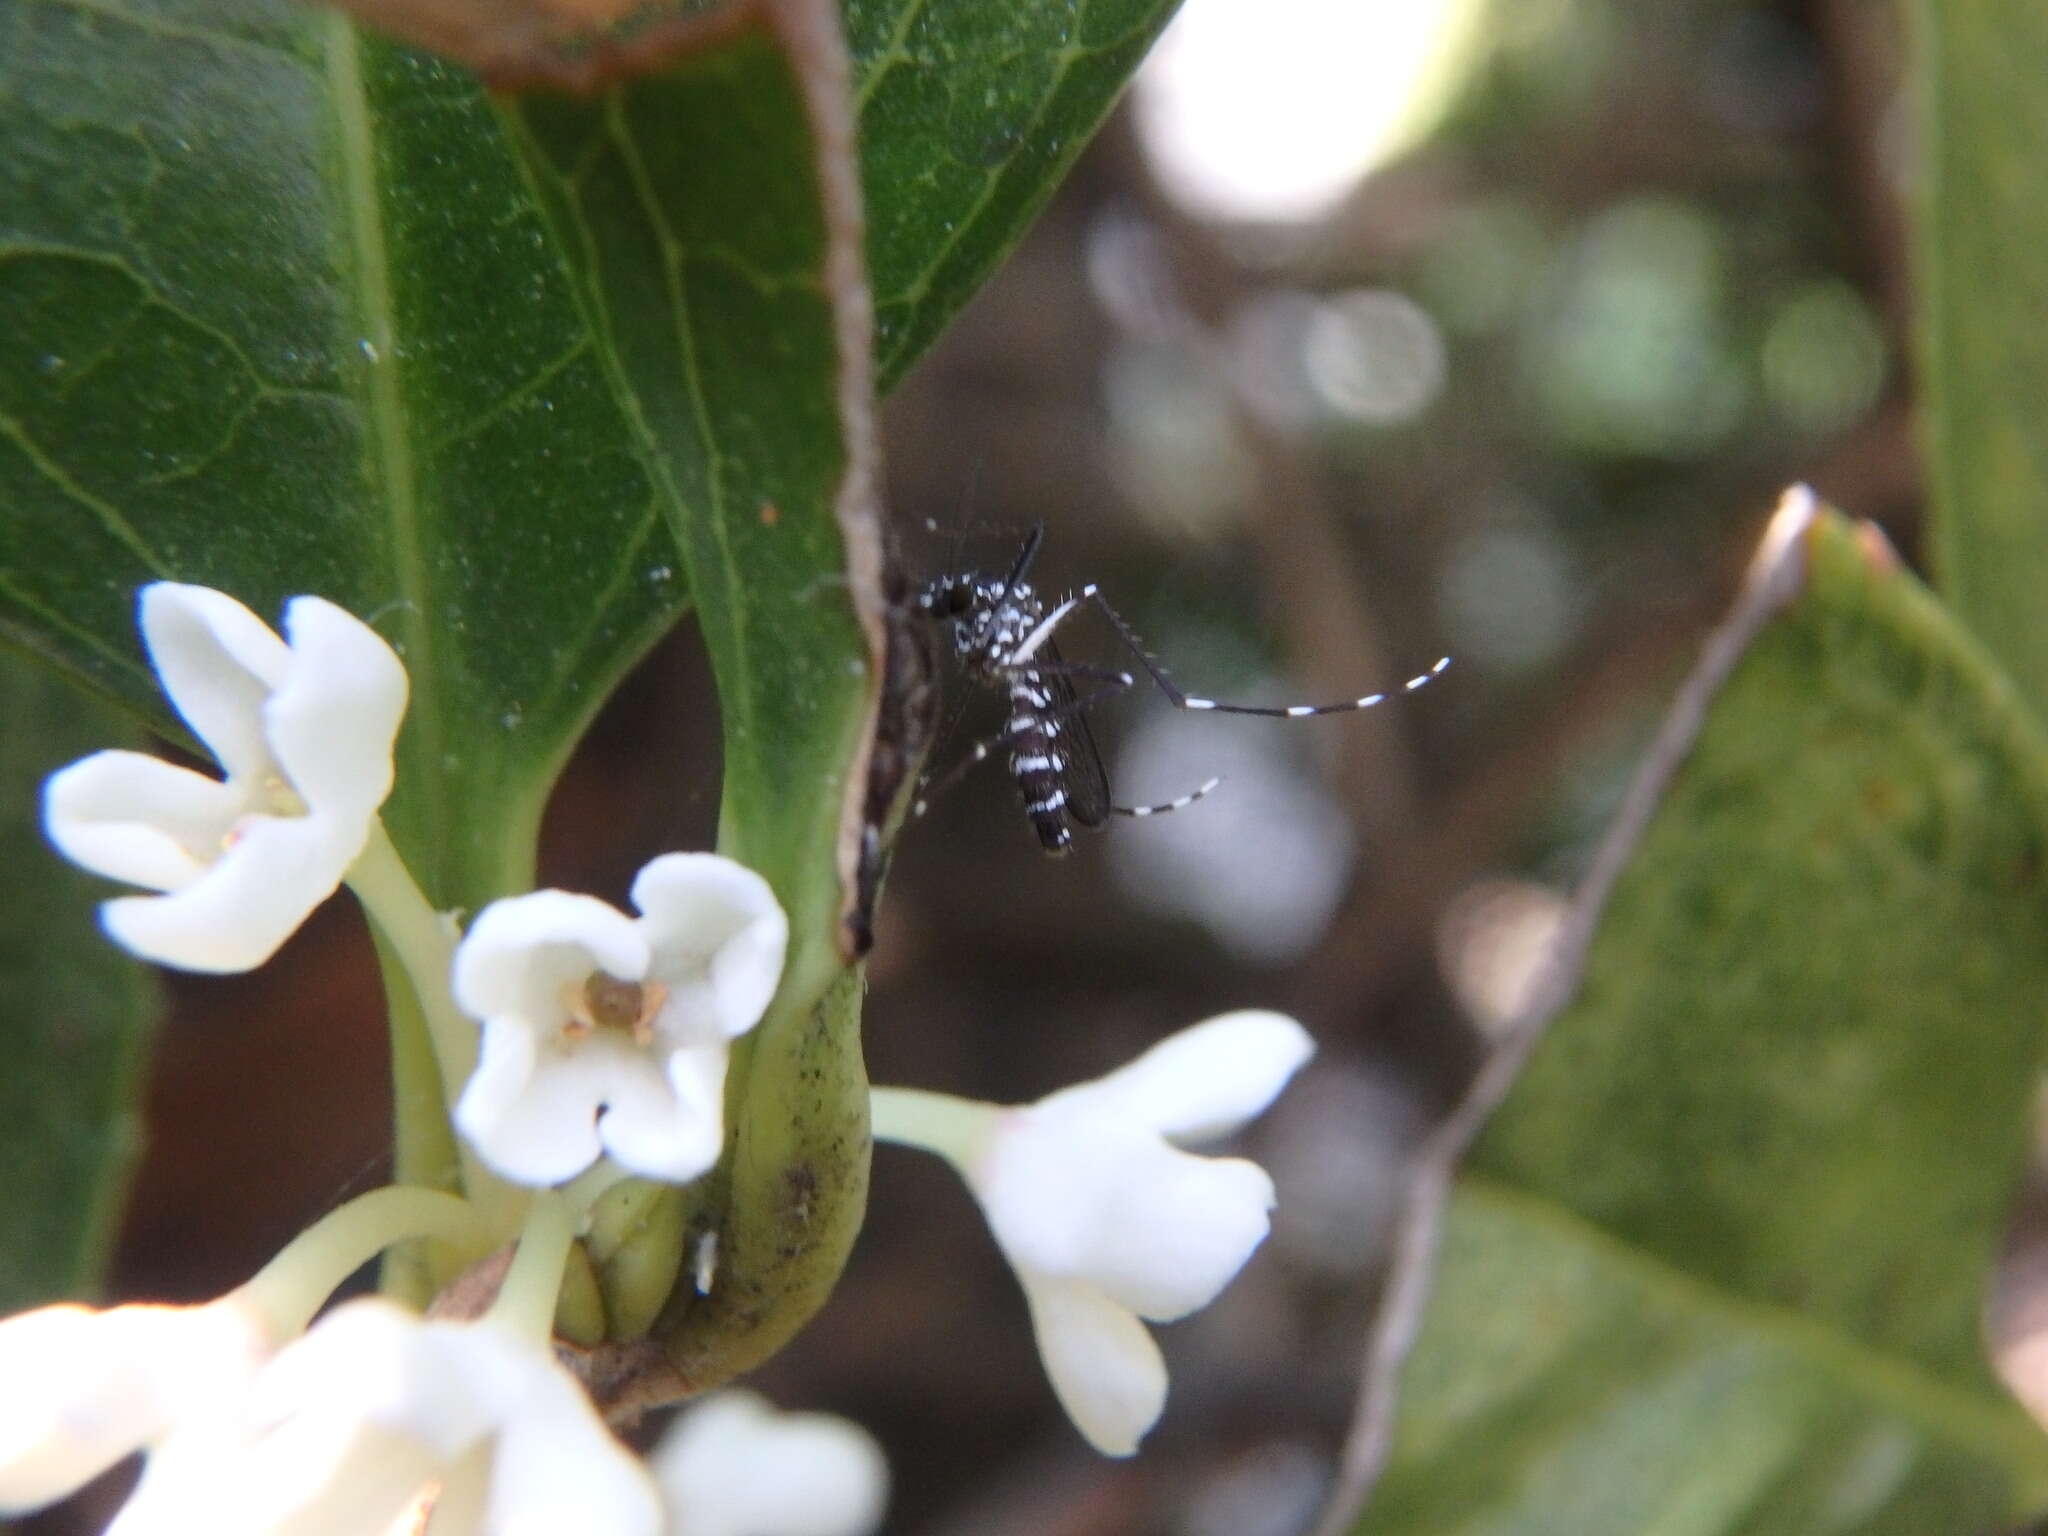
[291, 1289]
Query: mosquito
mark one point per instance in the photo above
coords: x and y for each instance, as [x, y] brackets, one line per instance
[1001, 633]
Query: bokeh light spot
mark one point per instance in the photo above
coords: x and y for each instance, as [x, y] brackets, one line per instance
[1273, 110]
[1633, 356]
[1375, 356]
[1824, 357]
[1505, 598]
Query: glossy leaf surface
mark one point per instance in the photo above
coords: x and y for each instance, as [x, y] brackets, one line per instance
[74, 1015]
[969, 115]
[715, 249]
[278, 316]
[289, 307]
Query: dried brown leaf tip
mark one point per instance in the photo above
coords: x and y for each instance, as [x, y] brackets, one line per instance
[569, 45]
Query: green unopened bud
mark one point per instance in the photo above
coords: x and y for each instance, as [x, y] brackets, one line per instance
[635, 1243]
[580, 1309]
[783, 1207]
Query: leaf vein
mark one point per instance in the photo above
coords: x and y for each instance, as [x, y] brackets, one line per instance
[513, 398]
[162, 27]
[741, 702]
[110, 516]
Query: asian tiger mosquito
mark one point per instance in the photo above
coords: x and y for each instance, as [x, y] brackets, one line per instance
[1001, 633]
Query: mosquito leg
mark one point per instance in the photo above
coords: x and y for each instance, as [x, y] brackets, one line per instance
[1181, 700]
[932, 789]
[1112, 681]
[1165, 806]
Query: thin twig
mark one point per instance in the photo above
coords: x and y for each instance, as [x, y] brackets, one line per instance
[1775, 577]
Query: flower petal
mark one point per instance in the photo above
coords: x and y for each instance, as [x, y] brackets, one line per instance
[55, 1437]
[733, 1466]
[1105, 1368]
[520, 953]
[238, 1479]
[137, 818]
[350, 1424]
[667, 1124]
[532, 1121]
[243, 875]
[218, 662]
[237, 914]
[340, 1432]
[556, 1467]
[332, 721]
[718, 937]
[88, 1388]
[1086, 1197]
[1208, 1079]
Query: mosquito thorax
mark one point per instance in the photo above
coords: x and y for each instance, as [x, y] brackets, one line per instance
[986, 619]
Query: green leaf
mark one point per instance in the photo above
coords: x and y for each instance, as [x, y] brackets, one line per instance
[1570, 1381]
[278, 315]
[970, 113]
[497, 376]
[692, 209]
[710, 214]
[287, 308]
[74, 1009]
[281, 311]
[1724, 1267]
[1983, 359]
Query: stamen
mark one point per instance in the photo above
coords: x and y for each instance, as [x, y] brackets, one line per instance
[652, 995]
[606, 1002]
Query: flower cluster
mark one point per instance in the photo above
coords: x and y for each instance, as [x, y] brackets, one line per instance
[374, 1417]
[578, 1044]
[601, 1033]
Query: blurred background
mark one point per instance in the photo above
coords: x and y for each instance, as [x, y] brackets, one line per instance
[1364, 333]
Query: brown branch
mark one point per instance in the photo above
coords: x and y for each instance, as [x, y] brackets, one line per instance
[1775, 578]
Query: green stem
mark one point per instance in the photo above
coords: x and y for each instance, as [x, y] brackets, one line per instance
[533, 1285]
[937, 1122]
[424, 943]
[292, 1287]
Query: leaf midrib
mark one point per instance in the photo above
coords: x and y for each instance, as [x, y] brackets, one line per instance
[387, 447]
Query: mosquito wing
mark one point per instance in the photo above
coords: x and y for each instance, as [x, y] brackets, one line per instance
[1082, 775]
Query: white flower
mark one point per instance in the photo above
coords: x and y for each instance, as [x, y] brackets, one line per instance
[733, 1466]
[304, 730]
[1106, 1222]
[605, 1033]
[84, 1389]
[375, 1411]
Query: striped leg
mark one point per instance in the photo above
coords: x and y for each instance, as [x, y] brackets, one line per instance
[1180, 700]
[1165, 806]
